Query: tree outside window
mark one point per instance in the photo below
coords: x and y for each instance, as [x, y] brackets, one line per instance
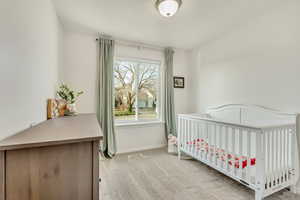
[136, 90]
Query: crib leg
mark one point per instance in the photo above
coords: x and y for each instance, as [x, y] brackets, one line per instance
[258, 196]
[293, 189]
[179, 154]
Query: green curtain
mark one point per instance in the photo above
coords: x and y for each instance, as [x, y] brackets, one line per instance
[105, 96]
[169, 94]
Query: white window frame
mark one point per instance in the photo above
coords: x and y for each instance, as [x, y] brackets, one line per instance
[159, 106]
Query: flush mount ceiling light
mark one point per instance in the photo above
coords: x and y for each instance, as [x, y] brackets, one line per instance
[168, 8]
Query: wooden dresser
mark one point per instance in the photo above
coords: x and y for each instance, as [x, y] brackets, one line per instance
[55, 160]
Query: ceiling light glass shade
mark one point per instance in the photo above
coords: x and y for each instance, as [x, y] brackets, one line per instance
[168, 8]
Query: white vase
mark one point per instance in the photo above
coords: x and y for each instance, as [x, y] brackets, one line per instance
[71, 109]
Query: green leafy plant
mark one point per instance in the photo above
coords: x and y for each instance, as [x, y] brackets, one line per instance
[124, 113]
[67, 94]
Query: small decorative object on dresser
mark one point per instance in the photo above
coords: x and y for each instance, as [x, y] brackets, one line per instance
[55, 108]
[70, 97]
[178, 82]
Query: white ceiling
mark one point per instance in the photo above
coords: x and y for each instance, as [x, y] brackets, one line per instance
[197, 22]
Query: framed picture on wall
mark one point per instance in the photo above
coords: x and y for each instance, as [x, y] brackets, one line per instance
[178, 82]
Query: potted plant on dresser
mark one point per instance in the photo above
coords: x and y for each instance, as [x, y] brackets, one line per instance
[70, 97]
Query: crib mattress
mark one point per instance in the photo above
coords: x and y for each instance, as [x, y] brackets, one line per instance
[200, 144]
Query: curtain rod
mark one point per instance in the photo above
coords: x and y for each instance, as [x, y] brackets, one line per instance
[135, 44]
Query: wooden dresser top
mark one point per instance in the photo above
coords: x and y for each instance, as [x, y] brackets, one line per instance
[83, 127]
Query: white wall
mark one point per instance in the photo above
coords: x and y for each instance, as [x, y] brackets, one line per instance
[29, 62]
[256, 63]
[80, 65]
[182, 67]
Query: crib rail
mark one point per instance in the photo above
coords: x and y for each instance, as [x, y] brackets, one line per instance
[261, 159]
[224, 146]
[279, 153]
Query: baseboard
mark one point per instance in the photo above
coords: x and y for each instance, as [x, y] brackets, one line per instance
[133, 150]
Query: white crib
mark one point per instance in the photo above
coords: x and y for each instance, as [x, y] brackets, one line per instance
[254, 145]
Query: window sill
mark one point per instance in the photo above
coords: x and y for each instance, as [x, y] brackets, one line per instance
[145, 123]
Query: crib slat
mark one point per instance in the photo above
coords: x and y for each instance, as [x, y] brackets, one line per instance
[183, 133]
[286, 154]
[188, 134]
[226, 149]
[268, 158]
[192, 136]
[197, 136]
[200, 137]
[240, 153]
[193, 146]
[179, 135]
[207, 140]
[184, 137]
[248, 167]
[260, 165]
[196, 139]
[215, 144]
[275, 149]
[293, 149]
[221, 148]
[233, 151]
[209, 143]
[275, 156]
[280, 155]
[289, 151]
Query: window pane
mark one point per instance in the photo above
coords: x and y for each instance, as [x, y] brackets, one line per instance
[124, 85]
[148, 78]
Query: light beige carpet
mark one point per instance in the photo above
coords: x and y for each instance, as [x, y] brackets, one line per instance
[156, 175]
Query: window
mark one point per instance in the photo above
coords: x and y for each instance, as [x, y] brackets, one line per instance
[136, 90]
